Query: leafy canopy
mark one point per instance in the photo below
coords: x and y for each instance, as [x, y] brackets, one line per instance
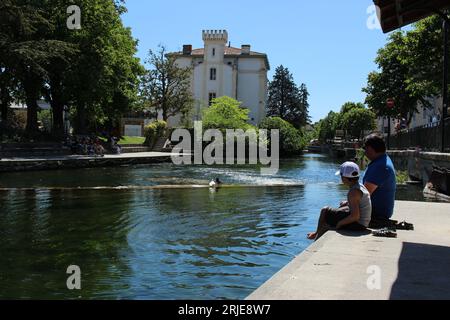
[226, 113]
[291, 139]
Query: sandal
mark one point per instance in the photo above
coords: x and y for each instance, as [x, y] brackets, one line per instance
[404, 226]
[385, 232]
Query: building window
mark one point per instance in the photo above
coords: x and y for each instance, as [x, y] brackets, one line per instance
[213, 74]
[214, 52]
[212, 95]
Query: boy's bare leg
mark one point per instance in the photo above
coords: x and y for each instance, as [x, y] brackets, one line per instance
[322, 230]
[322, 226]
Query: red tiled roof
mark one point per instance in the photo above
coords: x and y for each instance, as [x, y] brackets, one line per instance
[228, 51]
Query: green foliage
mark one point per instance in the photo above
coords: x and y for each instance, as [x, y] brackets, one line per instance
[354, 118]
[93, 70]
[106, 72]
[27, 48]
[348, 106]
[132, 140]
[402, 177]
[327, 127]
[291, 139]
[13, 128]
[308, 136]
[226, 113]
[423, 54]
[45, 118]
[286, 100]
[154, 131]
[361, 159]
[410, 70]
[358, 120]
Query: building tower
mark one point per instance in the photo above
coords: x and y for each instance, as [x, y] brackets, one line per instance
[213, 72]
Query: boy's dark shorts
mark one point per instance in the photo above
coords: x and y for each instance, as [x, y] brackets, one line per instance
[333, 216]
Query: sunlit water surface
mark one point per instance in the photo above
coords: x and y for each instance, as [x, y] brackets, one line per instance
[162, 243]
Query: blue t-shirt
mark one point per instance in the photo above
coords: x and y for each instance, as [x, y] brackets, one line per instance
[381, 172]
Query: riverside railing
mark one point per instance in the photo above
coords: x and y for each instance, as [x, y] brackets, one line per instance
[426, 138]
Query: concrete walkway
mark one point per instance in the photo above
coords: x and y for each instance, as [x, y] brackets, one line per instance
[74, 161]
[78, 157]
[416, 265]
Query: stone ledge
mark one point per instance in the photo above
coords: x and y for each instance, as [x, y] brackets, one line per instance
[338, 266]
[73, 162]
[424, 155]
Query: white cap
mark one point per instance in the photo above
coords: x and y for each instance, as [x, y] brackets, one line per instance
[349, 170]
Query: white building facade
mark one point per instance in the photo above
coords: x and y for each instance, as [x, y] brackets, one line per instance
[425, 117]
[221, 70]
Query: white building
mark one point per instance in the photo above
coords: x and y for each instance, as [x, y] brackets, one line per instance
[424, 117]
[221, 70]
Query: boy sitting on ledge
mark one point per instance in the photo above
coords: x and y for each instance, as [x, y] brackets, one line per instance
[353, 214]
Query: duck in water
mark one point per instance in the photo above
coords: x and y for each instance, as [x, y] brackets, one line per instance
[215, 183]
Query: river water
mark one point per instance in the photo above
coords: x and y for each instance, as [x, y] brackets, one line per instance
[162, 243]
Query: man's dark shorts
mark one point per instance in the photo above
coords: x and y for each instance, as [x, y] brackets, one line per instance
[333, 216]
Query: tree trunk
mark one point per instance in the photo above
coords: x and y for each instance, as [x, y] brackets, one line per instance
[32, 88]
[4, 110]
[5, 100]
[58, 119]
[57, 104]
[32, 109]
[81, 127]
[164, 114]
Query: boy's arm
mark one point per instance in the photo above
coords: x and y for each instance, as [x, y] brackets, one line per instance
[343, 204]
[354, 200]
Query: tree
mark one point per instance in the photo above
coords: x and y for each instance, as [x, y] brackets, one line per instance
[226, 113]
[93, 70]
[410, 70]
[25, 53]
[102, 82]
[328, 126]
[423, 54]
[357, 120]
[304, 95]
[166, 88]
[6, 87]
[349, 106]
[291, 139]
[286, 100]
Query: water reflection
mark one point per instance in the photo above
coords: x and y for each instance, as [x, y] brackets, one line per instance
[44, 233]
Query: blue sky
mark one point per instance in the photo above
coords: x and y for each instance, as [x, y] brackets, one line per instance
[324, 43]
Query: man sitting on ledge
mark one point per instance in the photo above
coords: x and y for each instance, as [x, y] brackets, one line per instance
[380, 180]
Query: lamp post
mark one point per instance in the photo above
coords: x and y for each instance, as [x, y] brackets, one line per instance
[390, 103]
[444, 81]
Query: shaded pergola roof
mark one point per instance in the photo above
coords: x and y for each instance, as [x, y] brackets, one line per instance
[394, 14]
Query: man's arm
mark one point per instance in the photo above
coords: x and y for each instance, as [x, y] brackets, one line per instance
[371, 187]
[354, 200]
